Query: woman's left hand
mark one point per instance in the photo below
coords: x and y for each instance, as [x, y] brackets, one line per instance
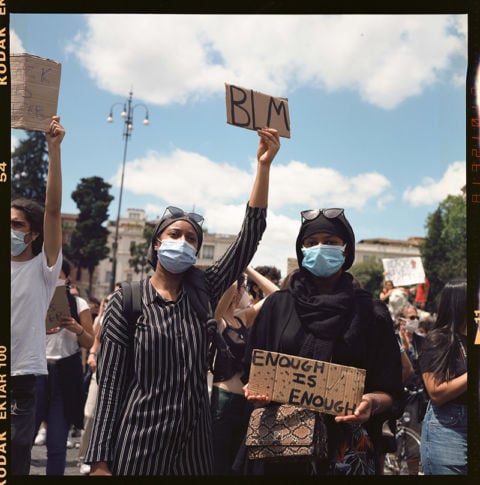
[362, 413]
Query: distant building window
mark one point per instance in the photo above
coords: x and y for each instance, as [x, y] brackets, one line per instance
[108, 276]
[208, 251]
[129, 277]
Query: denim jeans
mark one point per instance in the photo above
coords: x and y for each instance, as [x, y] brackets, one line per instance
[22, 423]
[443, 448]
[230, 414]
[50, 408]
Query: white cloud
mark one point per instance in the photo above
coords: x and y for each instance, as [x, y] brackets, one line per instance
[385, 58]
[14, 141]
[220, 192]
[16, 45]
[431, 191]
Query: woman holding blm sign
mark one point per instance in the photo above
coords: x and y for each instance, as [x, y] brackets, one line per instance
[323, 315]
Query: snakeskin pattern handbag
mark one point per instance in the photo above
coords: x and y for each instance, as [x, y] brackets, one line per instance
[283, 431]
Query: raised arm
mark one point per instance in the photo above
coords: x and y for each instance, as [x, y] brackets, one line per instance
[52, 224]
[268, 147]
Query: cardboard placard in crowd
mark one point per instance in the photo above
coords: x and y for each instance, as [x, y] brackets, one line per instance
[58, 307]
[254, 110]
[35, 88]
[322, 386]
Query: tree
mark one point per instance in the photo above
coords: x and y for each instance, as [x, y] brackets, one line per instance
[369, 274]
[444, 251]
[30, 167]
[138, 262]
[88, 244]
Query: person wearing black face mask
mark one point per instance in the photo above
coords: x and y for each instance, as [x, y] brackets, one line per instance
[158, 421]
[324, 315]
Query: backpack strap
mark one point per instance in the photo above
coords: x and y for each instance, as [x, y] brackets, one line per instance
[132, 305]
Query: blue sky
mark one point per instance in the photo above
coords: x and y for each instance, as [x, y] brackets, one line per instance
[377, 110]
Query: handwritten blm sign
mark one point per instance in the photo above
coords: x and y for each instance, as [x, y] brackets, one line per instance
[35, 86]
[253, 110]
[404, 271]
[322, 386]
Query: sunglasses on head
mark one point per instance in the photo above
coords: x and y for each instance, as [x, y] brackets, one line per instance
[177, 212]
[311, 214]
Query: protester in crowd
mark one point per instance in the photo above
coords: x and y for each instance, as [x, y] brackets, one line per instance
[386, 291]
[60, 393]
[156, 420]
[322, 316]
[421, 294]
[255, 291]
[230, 410]
[411, 339]
[36, 259]
[443, 363]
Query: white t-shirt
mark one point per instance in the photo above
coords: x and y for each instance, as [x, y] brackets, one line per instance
[32, 287]
[65, 343]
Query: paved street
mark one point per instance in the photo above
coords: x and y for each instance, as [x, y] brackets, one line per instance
[39, 459]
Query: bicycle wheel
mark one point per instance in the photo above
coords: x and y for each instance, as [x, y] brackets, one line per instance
[408, 452]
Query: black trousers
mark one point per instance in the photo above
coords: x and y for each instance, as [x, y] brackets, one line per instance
[22, 423]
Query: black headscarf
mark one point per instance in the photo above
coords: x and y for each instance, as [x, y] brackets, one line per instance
[335, 320]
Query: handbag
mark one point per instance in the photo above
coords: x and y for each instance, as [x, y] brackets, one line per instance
[286, 432]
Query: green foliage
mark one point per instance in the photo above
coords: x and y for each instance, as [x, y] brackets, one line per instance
[444, 251]
[88, 244]
[369, 274]
[138, 262]
[30, 168]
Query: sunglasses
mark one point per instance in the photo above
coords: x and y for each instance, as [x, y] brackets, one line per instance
[177, 212]
[311, 214]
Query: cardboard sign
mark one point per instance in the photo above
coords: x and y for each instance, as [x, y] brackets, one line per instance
[35, 87]
[322, 386]
[58, 307]
[253, 110]
[404, 271]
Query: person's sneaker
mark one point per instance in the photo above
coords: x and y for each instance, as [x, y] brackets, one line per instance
[70, 444]
[84, 469]
[41, 437]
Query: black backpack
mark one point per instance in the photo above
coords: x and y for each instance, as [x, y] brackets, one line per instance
[196, 287]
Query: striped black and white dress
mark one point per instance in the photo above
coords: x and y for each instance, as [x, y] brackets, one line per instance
[155, 420]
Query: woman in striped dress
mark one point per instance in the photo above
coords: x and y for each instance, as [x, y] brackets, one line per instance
[152, 415]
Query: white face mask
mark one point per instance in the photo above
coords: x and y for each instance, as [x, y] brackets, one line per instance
[412, 325]
[17, 242]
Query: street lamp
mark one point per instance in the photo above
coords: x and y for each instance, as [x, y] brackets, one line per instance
[127, 115]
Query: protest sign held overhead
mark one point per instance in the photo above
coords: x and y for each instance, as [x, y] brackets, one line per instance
[254, 110]
[404, 271]
[322, 386]
[35, 87]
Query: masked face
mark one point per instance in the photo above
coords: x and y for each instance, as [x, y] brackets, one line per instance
[412, 325]
[323, 260]
[17, 242]
[176, 255]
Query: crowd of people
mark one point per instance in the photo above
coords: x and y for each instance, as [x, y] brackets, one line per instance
[138, 390]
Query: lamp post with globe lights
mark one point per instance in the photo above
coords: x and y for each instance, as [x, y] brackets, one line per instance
[127, 115]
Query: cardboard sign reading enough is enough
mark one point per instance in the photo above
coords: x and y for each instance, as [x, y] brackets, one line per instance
[322, 386]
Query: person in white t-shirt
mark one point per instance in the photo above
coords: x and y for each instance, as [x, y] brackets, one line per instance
[60, 395]
[36, 258]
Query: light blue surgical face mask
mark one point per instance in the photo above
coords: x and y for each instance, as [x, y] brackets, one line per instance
[17, 242]
[323, 260]
[176, 255]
